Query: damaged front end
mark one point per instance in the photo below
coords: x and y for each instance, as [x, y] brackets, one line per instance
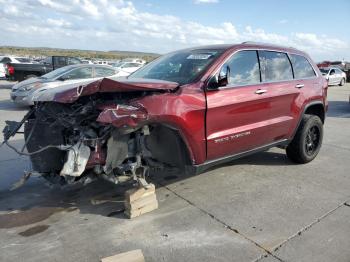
[94, 131]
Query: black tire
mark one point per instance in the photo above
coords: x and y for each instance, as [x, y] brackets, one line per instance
[342, 82]
[307, 141]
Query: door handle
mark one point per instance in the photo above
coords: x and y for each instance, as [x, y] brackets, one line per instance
[260, 91]
[299, 86]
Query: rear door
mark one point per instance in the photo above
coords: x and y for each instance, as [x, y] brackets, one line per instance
[339, 75]
[276, 71]
[332, 77]
[238, 114]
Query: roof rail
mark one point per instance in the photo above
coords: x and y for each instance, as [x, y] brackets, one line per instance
[262, 43]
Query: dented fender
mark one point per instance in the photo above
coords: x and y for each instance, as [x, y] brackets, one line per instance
[183, 111]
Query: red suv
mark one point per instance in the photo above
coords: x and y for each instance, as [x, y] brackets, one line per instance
[195, 107]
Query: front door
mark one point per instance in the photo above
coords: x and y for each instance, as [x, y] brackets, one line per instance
[238, 113]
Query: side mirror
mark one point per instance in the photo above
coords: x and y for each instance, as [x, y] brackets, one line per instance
[219, 80]
[224, 75]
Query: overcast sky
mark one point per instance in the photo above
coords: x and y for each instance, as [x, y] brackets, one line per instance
[319, 27]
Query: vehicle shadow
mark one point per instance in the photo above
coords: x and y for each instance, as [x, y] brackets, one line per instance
[9, 105]
[7, 85]
[339, 109]
[36, 201]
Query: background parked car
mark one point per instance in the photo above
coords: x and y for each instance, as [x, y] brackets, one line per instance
[22, 92]
[334, 75]
[134, 60]
[126, 68]
[19, 72]
[10, 59]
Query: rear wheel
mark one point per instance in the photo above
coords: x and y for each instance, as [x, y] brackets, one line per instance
[342, 82]
[307, 141]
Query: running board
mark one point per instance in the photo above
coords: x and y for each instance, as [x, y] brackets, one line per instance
[208, 164]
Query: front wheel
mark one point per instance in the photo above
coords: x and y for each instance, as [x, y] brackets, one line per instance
[307, 141]
[342, 82]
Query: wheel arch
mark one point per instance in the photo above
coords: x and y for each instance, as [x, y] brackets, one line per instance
[314, 108]
[317, 109]
[168, 144]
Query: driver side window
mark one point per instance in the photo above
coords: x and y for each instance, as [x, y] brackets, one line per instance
[243, 68]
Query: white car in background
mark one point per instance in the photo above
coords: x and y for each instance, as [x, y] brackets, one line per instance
[334, 75]
[134, 60]
[126, 68]
[11, 59]
[23, 92]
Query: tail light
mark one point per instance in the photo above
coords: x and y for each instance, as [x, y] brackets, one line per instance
[10, 70]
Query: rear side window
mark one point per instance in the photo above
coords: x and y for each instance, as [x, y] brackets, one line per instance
[244, 68]
[80, 73]
[275, 66]
[301, 67]
[103, 72]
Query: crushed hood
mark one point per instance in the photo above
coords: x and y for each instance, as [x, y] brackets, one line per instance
[70, 93]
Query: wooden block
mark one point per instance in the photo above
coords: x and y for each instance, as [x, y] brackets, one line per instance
[136, 193]
[131, 256]
[139, 203]
[138, 212]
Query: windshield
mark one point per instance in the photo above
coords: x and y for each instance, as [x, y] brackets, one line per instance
[182, 67]
[324, 71]
[55, 73]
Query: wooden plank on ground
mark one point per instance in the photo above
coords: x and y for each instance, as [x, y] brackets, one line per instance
[131, 256]
[140, 201]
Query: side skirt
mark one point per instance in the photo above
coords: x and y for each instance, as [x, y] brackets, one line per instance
[206, 165]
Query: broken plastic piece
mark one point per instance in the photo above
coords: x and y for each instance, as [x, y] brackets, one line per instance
[77, 158]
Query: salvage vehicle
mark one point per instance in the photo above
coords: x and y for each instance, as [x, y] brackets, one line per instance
[334, 75]
[20, 72]
[22, 92]
[187, 110]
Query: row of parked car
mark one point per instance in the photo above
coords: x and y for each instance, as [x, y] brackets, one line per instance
[56, 71]
[21, 68]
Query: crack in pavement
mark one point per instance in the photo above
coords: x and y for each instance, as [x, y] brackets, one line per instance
[224, 224]
[346, 204]
[310, 225]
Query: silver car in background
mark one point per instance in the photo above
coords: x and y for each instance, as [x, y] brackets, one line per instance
[23, 91]
[334, 75]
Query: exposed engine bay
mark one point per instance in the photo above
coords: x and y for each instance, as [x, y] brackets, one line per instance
[100, 135]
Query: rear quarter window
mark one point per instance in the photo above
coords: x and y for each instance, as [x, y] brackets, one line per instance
[301, 66]
[275, 66]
